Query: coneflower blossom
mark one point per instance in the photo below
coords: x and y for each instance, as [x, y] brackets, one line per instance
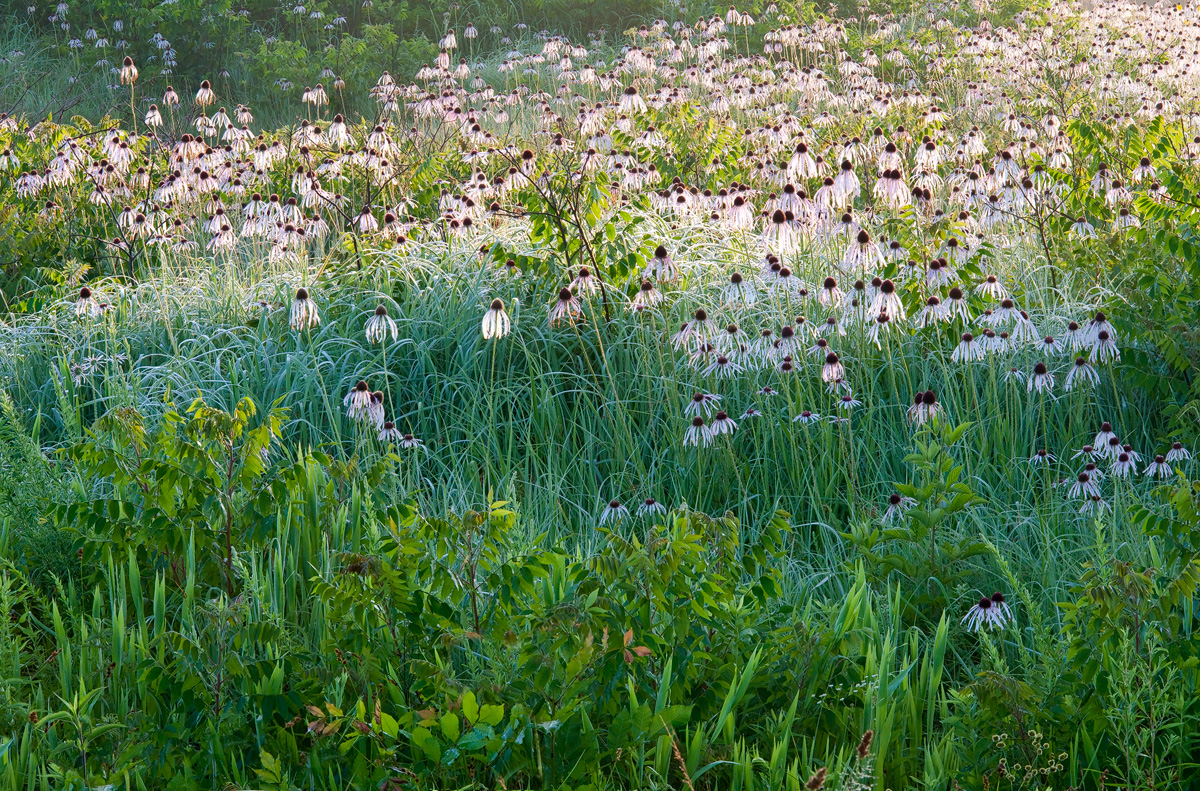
[700, 328]
[722, 424]
[723, 367]
[303, 314]
[1076, 337]
[830, 295]
[848, 402]
[565, 307]
[129, 72]
[738, 292]
[409, 442]
[613, 512]
[897, 505]
[1104, 349]
[967, 350]
[380, 325]
[991, 287]
[1042, 458]
[833, 368]
[989, 613]
[375, 409]
[646, 297]
[1041, 380]
[357, 400]
[925, 407]
[701, 402]
[86, 304]
[1084, 486]
[388, 432]
[650, 507]
[1103, 436]
[888, 301]
[956, 306]
[930, 314]
[1122, 466]
[1159, 468]
[1082, 372]
[585, 282]
[204, 96]
[1178, 453]
[662, 266]
[1098, 324]
[631, 102]
[496, 322]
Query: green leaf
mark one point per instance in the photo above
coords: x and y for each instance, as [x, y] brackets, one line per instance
[449, 724]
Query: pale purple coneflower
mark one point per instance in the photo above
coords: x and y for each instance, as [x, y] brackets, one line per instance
[722, 424]
[925, 407]
[1042, 458]
[380, 325]
[1024, 330]
[888, 301]
[662, 266]
[990, 612]
[409, 442]
[897, 505]
[1084, 486]
[1041, 380]
[1177, 453]
[1103, 436]
[585, 282]
[833, 368]
[829, 294]
[650, 507]
[955, 307]
[967, 350]
[930, 313]
[388, 432]
[613, 512]
[647, 297]
[1098, 324]
[1122, 466]
[701, 402]
[1076, 337]
[86, 304]
[303, 314]
[496, 322]
[1159, 468]
[565, 307]
[1104, 349]
[723, 367]
[375, 409]
[991, 287]
[1082, 372]
[357, 400]
[738, 291]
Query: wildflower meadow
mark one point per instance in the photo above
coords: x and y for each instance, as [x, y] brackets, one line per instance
[578, 395]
